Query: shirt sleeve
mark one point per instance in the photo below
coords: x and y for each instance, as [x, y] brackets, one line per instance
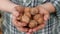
[56, 4]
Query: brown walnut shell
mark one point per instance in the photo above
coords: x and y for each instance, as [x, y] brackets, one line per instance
[27, 11]
[25, 19]
[32, 24]
[39, 18]
[34, 11]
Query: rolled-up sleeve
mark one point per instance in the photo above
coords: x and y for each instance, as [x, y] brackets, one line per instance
[56, 4]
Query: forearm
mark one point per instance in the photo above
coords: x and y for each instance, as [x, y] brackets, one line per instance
[49, 7]
[6, 5]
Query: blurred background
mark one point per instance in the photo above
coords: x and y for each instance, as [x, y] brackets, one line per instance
[1, 22]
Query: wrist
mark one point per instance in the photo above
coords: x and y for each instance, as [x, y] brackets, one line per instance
[7, 6]
[49, 7]
[11, 7]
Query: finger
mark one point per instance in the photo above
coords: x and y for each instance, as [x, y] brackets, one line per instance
[46, 16]
[39, 27]
[29, 33]
[41, 10]
[20, 9]
[22, 29]
[16, 23]
[30, 30]
[14, 20]
[15, 13]
[19, 24]
[45, 13]
[19, 17]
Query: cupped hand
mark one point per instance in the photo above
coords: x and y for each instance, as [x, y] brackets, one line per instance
[20, 25]
[46, 15]
[17, 11]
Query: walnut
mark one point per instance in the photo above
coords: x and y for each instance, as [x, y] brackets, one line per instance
[27, 9]
[39, 18]
[27, 12]
[30, 16]
[34, 11]
[33, 24]
[25, 19]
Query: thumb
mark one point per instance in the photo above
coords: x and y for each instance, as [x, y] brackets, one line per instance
[15, 13]
[46, 17]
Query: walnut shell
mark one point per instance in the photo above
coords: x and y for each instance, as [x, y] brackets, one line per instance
[27, 12]
[34, 11]
[33, 24]
[37, 16]
[27, 9]
[40, 20]
[25, 19]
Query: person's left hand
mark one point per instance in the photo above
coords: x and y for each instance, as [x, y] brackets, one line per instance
[44, 12]
[16, 12]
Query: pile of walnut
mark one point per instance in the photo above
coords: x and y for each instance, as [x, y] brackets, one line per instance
[31, 16]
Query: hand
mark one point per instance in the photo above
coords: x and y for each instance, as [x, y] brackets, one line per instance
[44, 9]
[16, 12]
[44, 12]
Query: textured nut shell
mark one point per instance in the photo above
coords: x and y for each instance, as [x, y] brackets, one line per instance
[37, 16]
[27, 12]
[25, 19]
[40, 20]
[34, 11]
[32, 24]
[27, 9]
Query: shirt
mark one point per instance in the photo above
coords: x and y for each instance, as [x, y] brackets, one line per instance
[52, 26]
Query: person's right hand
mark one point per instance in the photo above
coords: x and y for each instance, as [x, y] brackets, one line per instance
[15, 13]
[45, 14]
